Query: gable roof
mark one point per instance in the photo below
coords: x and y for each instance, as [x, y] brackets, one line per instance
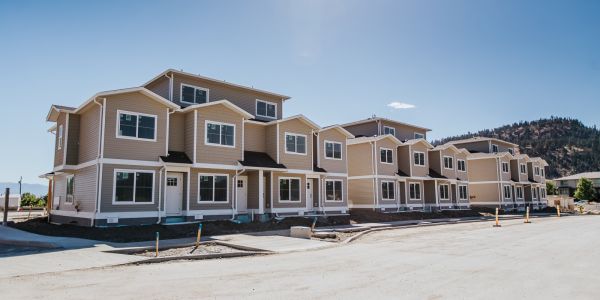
[300, 117]
[588, 175]
[368, 139]
[338, 128]
[283, 97]
[223, 102]
[481, 139]
[375, 119]
[418, 141]
[482, 155]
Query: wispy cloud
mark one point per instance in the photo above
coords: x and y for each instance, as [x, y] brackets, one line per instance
[400, 105]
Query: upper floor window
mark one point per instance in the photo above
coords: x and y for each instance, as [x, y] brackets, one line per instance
[542, 172]
[212, 188]
[448, 162]
[523, 169]
[386, 156]
[461, 165]
[333, 150]
[505, 167]
[193, 94]
[295, 143]
[133, 125]
[419, 135]
[389, 130]
[511, 151]
[60, 137]
[537, 171]
[266, 109]
[133, 186]
[494, 148]
[220, 134]
[387, 190]
[419, 158]
[70, 188]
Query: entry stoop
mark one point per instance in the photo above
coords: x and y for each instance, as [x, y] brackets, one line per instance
[174, 220]
[242, 219]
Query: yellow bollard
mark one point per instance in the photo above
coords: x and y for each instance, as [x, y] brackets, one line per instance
[497, 220]
[198, 235]
[558, 211]
[157, 237]
[527, 216]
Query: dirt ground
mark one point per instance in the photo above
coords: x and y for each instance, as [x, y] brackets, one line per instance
[203, 249]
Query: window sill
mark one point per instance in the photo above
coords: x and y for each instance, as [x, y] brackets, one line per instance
[135, 138]
[295, 153]
[219, 145]
[132, 203]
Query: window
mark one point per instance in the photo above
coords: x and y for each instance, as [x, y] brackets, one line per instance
[541, 172]
[461, 165]
[534, 193]
[240, 183]
[389, 130]
[220, 134]
[444, 192]
[333, 150]
[333, 190]
[543, 193]
[212, 188]
[386, 156]
[70, 189]
[415, 191]
[137, 126]
[507, 193]
[295, 143]
[511, 151]
[448, 162]
[193, 94]
[494, 148]
[266, 109]
[523, 169]
[133, 187]
[172, 181]
[289, 189]
[505, 167]
[60, 137]
[419, 135]
[419, 158]
[537, 171]
[462, 192]
[519, 190]
[387, 190]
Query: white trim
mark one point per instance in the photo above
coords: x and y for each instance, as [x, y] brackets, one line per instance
[333, 208]
[381, 182]
[132, 202]
[296, 135]
[198, 201]
[145, 163]
[325, 142]
[300, 185]
[278, 144]
[451, 159]
[216, 166]
[167, 134]
[490, 182]
[221, 124]
[137, 114]
[70, 176]
[60, 138]
[195, 88]
[424, 159]
[370, 177]
[288, 209]
[195, 136]
[267, 103]
[243, 139]
[486, 203]
[73, 213]
[209, 212]
[341, 191]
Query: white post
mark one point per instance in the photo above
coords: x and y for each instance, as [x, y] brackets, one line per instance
[261, 192]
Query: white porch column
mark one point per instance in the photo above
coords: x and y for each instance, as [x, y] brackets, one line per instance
[437, 194]
[261, 192]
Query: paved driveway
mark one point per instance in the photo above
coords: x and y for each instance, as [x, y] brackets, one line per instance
[466, 261]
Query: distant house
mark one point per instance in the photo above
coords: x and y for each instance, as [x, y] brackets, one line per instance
[14, 201]
[567, 185]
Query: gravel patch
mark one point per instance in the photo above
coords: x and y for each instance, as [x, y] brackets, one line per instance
[203, 249]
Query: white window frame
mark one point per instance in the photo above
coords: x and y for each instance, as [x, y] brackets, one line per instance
[334, 181]
[447, 190]
[415, 161]
[534, 195]
[388, 183]
[420, 191]
[451, 160]
[523, 168]
[519, 190]
[543, 193]
[511, 151]
[118, 134]
[69, 200]
[536, 171]
[300, 185]
[206, 142]
[464, 163]
[295, 134]
[541, 172]
[507, 167]
[61, 132]
[267, 103]
[213, 199]
[386, 149]
[389, 128]
[132, 202]
[497, 148]
[418, 135]
[466, 188]
[325, 150]
[194, 87]
[509, 192]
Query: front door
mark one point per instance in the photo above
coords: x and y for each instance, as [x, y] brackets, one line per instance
[174, 194]
[309, 194]
[242, 194]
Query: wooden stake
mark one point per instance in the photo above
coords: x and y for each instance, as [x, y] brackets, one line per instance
[527, 216]
[558, 210]
[198, 235]
[157, 238]
[497, 220]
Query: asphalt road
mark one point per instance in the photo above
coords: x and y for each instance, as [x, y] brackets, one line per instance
[549, 259]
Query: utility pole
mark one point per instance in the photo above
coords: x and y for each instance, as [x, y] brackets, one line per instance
[20, 183]
[6, 196]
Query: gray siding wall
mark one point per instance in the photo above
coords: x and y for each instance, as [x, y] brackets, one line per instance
[404, 159]
[194, 189]
[481, 146]
[364, 129]
[291, 160]
[207, 153]
[189, 135]
[344, 201]
[73, 140]
[89, 133]
[271, 145]
[254, 138]
[277, 203]
[177, 132]
[108, 183]
[331, 165]
[385, 168]
[404, 132]
[85, 182]
[361, 192]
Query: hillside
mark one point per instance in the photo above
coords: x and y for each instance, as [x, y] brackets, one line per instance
[566, 144]
[34, 188]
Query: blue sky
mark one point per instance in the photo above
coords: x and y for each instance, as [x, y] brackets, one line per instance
[463, 65]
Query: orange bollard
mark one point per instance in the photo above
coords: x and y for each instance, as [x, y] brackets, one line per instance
[558, 211]
[157, 237]
[497, 220]
[527, 216]
[198, 235]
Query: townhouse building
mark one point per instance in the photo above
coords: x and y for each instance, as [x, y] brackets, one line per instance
[184, 147]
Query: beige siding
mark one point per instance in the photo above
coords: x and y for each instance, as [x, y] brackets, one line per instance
[213, 154]
[189, 135]
[291, 160]
[460, 174]
[271, 145]
[360, 159]
[60, 190]
[430, 194]
[417, 170]
[449, 173]
[59, 153]
[385, 168]
[108, 185]
[380, 192]
[332, 165]
[415, 201]
[73, 139]
[134, 149]
[279, 204]
[195, 204]
[254, 138]
[403, 132]
[177, 132]
[85, 188]
[361, 192]
[505, 176]
[252, 189]
[404, 159]
[483, 170]
[484, 193]
[89, 133]
[364, 129]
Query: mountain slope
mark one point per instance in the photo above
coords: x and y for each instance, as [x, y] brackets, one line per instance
[34, 188]
[566, 144]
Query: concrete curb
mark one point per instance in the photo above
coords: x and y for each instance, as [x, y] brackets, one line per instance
[194, 257]
[35, 244]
